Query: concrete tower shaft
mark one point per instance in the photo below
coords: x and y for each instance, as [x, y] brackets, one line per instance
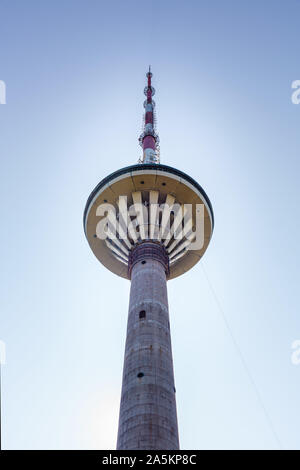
[148, 417]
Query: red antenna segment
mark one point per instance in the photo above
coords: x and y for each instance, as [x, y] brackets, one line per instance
[149, 139]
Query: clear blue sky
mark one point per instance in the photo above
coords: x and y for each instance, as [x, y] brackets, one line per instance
[75, 73]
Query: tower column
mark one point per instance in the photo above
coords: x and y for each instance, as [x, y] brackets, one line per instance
[148, 417]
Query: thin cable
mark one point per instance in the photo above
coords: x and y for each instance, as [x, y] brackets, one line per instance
[243, 361]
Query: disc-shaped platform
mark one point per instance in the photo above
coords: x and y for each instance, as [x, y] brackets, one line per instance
[158, 203]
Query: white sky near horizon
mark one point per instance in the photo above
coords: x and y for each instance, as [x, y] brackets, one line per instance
[74, 74]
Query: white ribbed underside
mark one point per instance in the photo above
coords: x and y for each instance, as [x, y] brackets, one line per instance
[158, 226]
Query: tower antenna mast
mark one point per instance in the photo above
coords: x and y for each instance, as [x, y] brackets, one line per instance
[149, 139]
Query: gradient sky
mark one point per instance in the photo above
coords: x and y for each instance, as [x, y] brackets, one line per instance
[75, 73]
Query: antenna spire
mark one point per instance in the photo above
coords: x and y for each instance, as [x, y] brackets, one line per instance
[149, 140]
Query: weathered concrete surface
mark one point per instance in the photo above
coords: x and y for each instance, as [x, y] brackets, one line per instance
[148, 417]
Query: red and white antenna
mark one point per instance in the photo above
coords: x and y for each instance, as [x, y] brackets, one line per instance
[149, 139]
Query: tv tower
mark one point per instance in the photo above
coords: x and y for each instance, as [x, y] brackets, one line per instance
[148, 223]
